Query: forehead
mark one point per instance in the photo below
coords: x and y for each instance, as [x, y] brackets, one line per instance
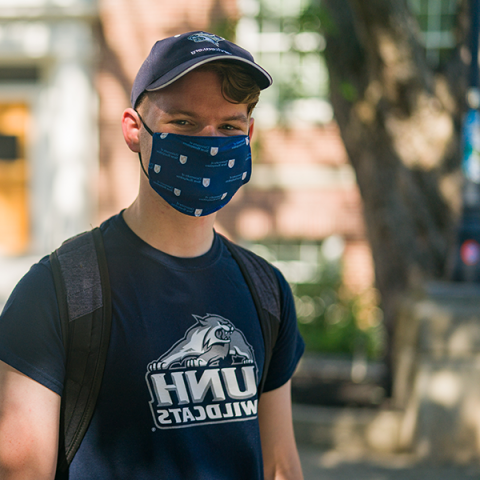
[199, 90]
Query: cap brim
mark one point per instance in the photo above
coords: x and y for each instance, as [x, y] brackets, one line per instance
[261, 76]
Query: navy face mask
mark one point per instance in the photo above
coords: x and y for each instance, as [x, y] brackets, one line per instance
[198, 175]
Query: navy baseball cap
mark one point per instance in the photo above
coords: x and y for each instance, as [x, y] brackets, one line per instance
[173, 57]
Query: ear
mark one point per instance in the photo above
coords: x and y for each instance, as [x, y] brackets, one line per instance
[250, 128]
[131, 129]
[199, 319]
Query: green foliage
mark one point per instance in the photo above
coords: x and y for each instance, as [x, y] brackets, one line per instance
[348, 91]
[316, 18]
[332, 321]
[225, 28]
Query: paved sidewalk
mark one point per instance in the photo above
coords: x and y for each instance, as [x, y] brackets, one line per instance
[334, 465]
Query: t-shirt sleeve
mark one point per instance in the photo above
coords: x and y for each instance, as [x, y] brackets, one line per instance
[30, 330]
[289, 346]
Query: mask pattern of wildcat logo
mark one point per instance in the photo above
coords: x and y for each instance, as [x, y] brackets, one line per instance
[209, 376]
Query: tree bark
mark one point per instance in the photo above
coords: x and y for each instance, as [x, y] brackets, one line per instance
[400, 123]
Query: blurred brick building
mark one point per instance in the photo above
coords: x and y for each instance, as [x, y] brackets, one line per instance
[68, 65]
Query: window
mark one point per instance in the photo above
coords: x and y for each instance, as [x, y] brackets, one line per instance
[19, 74]
[273, 32]
[437, 20]
[304, 261]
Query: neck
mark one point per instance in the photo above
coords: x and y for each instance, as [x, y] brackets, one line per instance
[167, 230]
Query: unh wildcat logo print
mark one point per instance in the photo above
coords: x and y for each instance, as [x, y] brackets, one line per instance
[209, 376]
[211, 339]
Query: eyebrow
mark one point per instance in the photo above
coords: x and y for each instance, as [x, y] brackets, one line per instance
[240, 117]
[177, 111]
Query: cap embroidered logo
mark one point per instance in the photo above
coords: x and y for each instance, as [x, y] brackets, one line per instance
[205, 37]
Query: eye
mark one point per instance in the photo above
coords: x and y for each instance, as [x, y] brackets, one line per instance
[180, 122]
[232, 128]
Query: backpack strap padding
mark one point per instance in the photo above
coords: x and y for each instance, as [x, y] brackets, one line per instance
[80, 274]
[265, 290]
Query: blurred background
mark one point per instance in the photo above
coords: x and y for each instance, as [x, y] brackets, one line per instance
[356, 195]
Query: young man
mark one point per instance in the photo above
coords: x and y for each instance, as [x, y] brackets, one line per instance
[179, 396]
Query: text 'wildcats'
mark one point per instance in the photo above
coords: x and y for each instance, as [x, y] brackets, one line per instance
[202, 396]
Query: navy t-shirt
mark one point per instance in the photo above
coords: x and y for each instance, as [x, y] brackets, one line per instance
[179, 393]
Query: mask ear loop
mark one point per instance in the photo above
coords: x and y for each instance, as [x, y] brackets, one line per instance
[139, 154]
[141, 164]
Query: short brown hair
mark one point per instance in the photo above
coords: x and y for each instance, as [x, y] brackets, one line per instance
[237, 85]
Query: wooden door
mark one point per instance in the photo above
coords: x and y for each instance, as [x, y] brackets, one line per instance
[14, 210]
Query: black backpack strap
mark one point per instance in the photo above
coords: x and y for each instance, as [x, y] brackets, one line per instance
[82, 286]
[264, 287]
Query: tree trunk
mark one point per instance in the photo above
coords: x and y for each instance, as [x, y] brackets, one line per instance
[400, 123]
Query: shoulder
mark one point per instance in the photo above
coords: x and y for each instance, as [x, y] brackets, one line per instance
[39, 276]
[260, 275]
[268, 273]
[254, 263]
